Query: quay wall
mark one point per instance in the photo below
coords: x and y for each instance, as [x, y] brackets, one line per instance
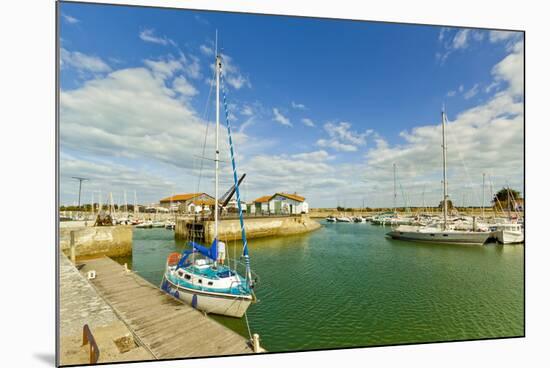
[230, 229]
[97, 241]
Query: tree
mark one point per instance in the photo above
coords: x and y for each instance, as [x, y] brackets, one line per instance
[506, 198]
[505, 193]
[449, 204]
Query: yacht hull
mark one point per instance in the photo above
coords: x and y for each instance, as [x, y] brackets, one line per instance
[449, 237]
[509, 237]
[216, 303]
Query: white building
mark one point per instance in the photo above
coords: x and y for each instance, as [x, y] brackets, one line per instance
[279, 204]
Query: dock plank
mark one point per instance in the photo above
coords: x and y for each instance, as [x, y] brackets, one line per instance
[165, 326]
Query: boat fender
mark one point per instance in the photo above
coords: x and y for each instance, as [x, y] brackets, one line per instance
[91, 275]
[194, 301]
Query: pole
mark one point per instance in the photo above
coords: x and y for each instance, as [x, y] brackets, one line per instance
[217, 159]
[444, 146]
[80, 180]
[483, 198]
[394, 187]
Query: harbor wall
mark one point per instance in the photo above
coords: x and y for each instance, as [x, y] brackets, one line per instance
[230, 229]
[97, 241]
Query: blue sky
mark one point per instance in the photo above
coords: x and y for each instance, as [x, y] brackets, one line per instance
[319, 107]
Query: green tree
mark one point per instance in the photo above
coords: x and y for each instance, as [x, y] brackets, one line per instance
[449, 204]
[505, 193]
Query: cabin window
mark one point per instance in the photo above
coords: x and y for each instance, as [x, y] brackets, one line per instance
[187, 277]
[200, 281]
[445, 234]
[210, 283]
[432, 234]
[180, 273]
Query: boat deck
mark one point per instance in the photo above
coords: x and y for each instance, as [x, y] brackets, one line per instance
[162, 324]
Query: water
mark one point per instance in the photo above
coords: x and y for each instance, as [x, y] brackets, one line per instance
[347, 285]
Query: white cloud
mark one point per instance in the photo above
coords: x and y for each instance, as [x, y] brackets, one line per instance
[510, 70]
[461, 88]
[148, 35]
[208, 51]
[247, 111]
[191, 65]
[232, 74]
[163, 68]
[342, 138]
[451, 93]
[82, 62]
[308, 122]
[471, 92]
[460, 41]
[298, 106]
[280, 118]
[182, 86]
[69, 19]
[498, 36]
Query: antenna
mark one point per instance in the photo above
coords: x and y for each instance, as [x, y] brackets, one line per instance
[80, 180]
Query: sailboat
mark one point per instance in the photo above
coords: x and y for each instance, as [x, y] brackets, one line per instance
[196, 276]
[442, 232]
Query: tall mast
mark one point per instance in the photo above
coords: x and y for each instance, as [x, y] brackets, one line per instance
[483, 198]
[444, 146]
[394, 187]
[218, 70]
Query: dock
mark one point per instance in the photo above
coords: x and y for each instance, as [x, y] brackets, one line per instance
[164, 326]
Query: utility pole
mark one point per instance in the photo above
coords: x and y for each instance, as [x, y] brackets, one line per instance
[80, 180]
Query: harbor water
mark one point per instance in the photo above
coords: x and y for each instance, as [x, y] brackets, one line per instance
[348, 285]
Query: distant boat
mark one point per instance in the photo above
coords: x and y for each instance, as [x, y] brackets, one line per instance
[509, 233]
[331, 219]
[442, 233]
[157, 224]
[145, 225]
[343, 219]
[170, 225]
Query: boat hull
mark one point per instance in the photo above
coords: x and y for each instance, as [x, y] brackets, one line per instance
[509, 237]
[216, 303]
[458, 237]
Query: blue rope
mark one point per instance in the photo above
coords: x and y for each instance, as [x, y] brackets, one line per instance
[235, 179]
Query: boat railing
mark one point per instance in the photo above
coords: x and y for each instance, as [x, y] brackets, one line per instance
[88, 339]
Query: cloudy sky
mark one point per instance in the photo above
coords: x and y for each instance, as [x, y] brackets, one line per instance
[323, 108]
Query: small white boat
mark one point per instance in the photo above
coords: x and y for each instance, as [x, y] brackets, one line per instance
[509, 233]
[343, 219]
[170, 225]
[331, 219]
[145, 225]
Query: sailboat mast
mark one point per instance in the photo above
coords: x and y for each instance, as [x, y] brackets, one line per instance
[444, 146]
[483, 198]
[218, 70]
[394, 187]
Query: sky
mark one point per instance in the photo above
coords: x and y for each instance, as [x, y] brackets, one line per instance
[322, 108]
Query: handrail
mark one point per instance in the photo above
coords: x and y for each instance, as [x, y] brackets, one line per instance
[88, 338]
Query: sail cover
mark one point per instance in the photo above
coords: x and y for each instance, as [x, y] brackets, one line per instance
[211, 252]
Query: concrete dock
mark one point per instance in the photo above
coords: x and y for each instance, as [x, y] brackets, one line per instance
[162, 325]
[81, 305]
[256, 227]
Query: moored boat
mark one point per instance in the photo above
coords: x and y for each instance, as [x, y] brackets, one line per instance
[198, 276]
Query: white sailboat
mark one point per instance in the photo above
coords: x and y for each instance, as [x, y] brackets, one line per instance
[198, 276]
[441, 233]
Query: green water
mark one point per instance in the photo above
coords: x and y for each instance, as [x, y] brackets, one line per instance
[347, 285]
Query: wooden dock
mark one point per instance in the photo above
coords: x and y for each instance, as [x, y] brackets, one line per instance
[166, 327]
